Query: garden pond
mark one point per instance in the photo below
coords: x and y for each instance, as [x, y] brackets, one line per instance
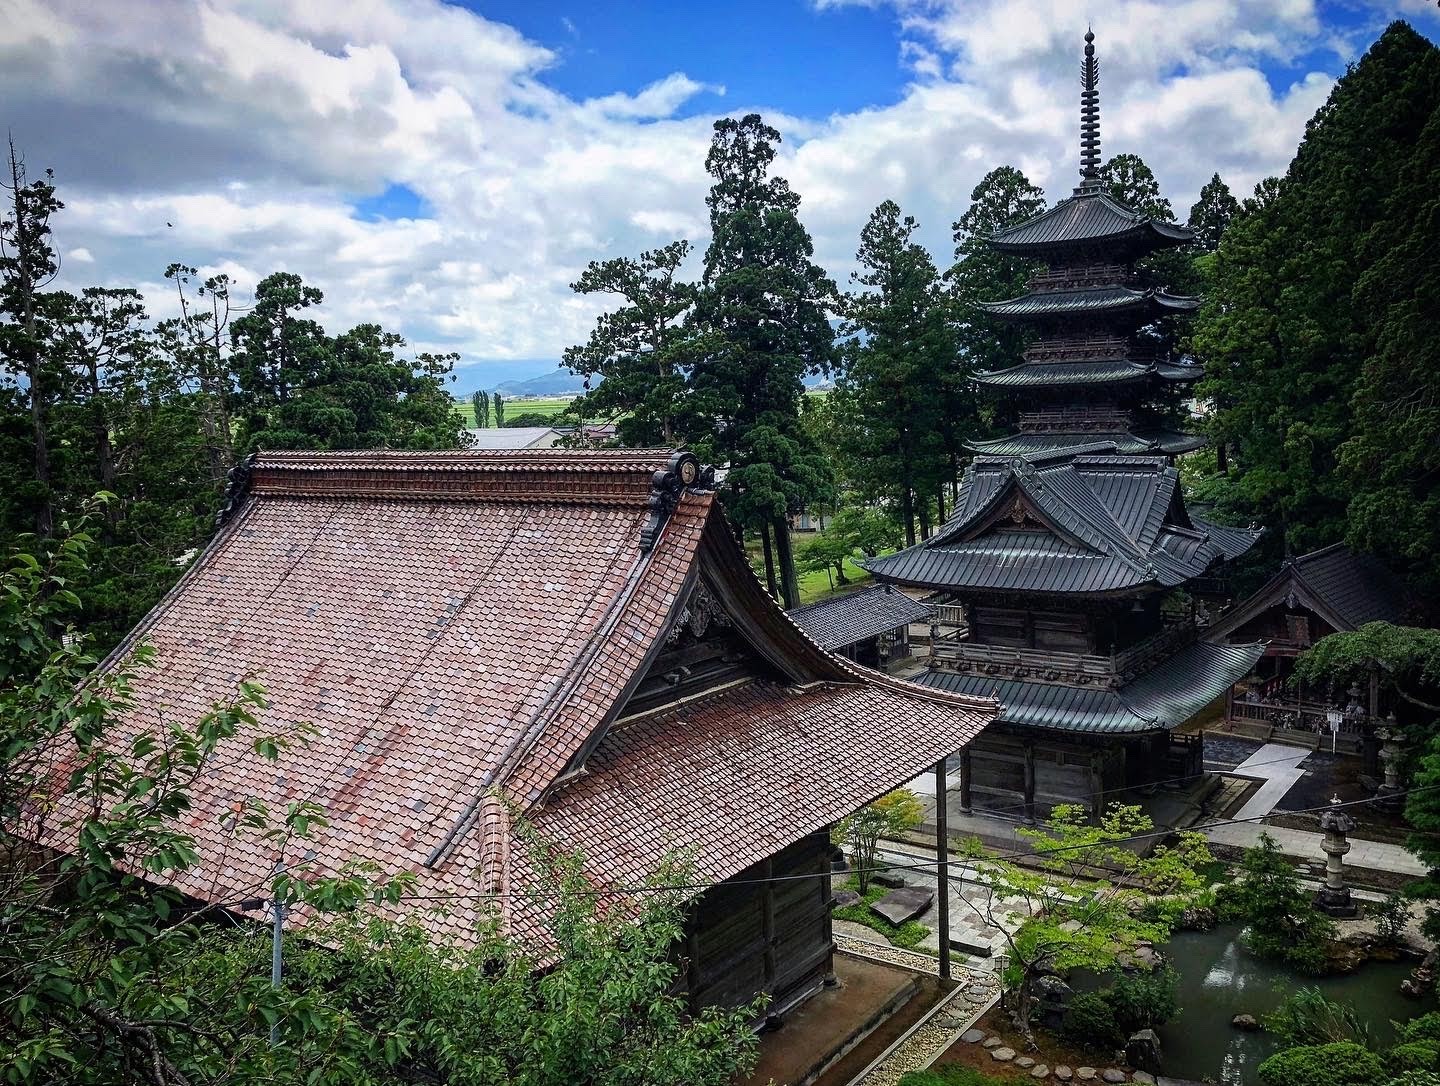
[1220, 979]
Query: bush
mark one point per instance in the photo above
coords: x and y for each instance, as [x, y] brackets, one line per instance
[1090, 1021]
[1390, 916]
[1416, 1078]
[1309, 1018]
[1144, 1000]
[1342, 1064]
[1413, 1056]
[1283, 922]
[1424, 1028]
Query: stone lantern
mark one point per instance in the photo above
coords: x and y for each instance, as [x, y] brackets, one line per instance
[1392, 753]
[1334, 896]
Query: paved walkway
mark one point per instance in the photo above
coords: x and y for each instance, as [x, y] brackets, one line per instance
[1302, 845]
[1278, 765]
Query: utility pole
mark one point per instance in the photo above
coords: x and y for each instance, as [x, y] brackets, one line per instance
[942, 869]
[275, 943]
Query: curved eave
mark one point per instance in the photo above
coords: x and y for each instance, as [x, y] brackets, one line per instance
[1087, 220]
[1052, 305]
[1169, 442]
[1066, 374]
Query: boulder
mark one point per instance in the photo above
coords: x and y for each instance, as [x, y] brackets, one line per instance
[973, 1036]
[1198, 918]
[1113, 1075]
[1063, 1073]
[1003, 1054]
[844, 898]
[1246, 1022]
[903, 904]
[1039, 1071]
[1142, 1077]
[1142, 1050]
[993, 1041]
[893, 879]
[1052, 990]
[1024, 1061]
[1086, 1074]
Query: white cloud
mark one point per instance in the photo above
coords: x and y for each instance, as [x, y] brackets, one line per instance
[253, 126]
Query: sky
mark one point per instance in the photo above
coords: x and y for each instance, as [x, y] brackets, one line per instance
[447, 170]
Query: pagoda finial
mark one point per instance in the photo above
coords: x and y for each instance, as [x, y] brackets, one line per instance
[1089, 116]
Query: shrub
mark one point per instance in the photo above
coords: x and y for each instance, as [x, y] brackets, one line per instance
[1390, 916]
[1415, 1078]
[1309, 1018]
[1342, 1064]
[1424, 1028]
[1413, 1056]
[1283, 922]
[1090, 1021]
[891, 814]
[1144, 1000]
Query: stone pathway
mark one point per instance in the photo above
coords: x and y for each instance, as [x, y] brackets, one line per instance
[1278, 766]
[1002, 1053]
[1302, 845]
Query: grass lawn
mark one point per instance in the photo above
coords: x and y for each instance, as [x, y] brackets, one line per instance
[548, 406]
[909, 934]
[816, 586]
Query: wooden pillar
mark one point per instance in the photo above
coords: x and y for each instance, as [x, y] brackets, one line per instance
[1097, 785]
[942, 869]
[768, 898]
[1374, 696]
[1029, 781]
[966, 776]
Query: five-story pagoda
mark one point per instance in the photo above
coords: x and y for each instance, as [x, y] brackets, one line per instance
[1088, 376]
[1063, 570]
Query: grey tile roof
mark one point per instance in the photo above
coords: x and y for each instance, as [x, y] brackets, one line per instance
[857, 616]
[1170, 442]
[1358, 586]
[1085, 220]
[1146, 304]
[1163, 698]
[1084, 524]
[1099, 372]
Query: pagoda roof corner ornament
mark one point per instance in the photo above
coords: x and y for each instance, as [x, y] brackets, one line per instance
[1089, 117]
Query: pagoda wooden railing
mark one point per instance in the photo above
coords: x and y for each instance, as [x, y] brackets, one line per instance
[1078, 278]
[1066, 668]
[1074, 421]
[1294, 715]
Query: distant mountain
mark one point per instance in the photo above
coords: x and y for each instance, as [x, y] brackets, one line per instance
[556, 383]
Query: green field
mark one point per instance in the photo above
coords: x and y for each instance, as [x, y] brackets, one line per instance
[547, 406]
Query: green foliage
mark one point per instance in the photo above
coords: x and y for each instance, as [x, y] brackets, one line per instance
[1413, 1056]
[1425, 1027]
[1422, 811]
[891, 814]
[1145, 1000]
[1086, 901]
[530, 418]
[889, 402]
[1312, 335]
[1212, 212]
[1390, 916]
[1342, 1064]
[1281, 917]
[908, 935]
[1090, 1021]
[108, 978]
[1308, 1017]
[1416, 1078]
[950, 1074]
[1405, 658]
[643, 349]
[499, 402]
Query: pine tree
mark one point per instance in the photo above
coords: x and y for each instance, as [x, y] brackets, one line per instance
[499, 409]
[762, 305]
[642, 350]
[890, 397]
[480, 402]
[1132, 183]
[1212, 212]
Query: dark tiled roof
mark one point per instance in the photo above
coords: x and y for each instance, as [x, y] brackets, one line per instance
[1144, 304]
[459, 628]
[1163, 698]
[1099, 372]
[1107, 524]
[1087, 220]
[1170, 442]
[857, 616]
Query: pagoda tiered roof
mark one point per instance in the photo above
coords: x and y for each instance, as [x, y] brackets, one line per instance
[1090, 219]
[1123, 442]
[1076, 524]
[1139, 306]
[1104, 371]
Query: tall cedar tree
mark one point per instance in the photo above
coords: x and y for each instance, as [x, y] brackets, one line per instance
[642, 350]
[1004, 197]
[499, 409]
[27, 265]
[1211, 214]
[1310, 301]
[890, 397]
[762, 304]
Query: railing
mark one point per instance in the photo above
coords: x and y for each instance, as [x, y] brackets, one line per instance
[950, 614]
[1068, 668]
[1301, 716]
[1072, 421]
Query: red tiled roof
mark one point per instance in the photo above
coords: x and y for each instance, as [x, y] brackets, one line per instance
[456, 627]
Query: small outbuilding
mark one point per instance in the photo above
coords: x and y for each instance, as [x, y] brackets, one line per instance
[870, 626]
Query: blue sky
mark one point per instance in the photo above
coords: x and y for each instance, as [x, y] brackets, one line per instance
[448, 171]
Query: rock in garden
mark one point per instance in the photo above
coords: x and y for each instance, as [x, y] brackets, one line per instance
[1053, 990]
[1063, 1073]
[1246, 1022]
[1024, 1061]
[1002, 1054]
[904, 904]
[973, 1036]
[1039, 1071]
[1142, 1050]
[888, 878]
[993, 1041]
[1197, 918]
[1113, 1075]
[844, 898]
[1142, 1077]
[1086, 1074]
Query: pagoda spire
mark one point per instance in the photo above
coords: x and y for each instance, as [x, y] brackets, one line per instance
[1089, 117]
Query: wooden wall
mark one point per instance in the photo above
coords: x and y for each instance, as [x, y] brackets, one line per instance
[743, 939]
[1026, 775]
